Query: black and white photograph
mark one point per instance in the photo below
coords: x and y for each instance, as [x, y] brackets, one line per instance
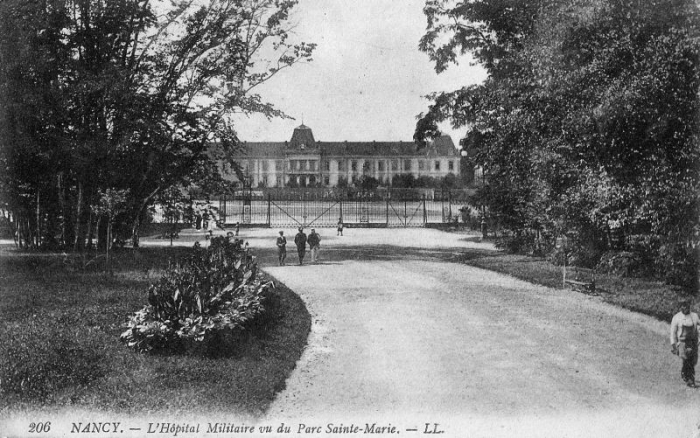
[325, 218]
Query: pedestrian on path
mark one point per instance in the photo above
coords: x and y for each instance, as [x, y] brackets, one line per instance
[340, 226]
[282, 248]
[211, 225]
[238, 228]
[684, 340]
[314, 245]
[300, 242]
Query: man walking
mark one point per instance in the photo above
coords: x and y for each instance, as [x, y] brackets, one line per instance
[282, 248]
[300, 242]
[314, 245]
[684, 341]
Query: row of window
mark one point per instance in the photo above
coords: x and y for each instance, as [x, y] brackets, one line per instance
[382, 166]
[266, 180]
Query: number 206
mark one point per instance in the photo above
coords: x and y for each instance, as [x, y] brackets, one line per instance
[39, 427]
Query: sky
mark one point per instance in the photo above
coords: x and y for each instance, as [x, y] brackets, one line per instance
[367, 78]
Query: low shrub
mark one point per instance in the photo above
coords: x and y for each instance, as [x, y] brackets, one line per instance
[522, 243]
[582, 255]
[679, 265]
[208, 296]
[621, 263]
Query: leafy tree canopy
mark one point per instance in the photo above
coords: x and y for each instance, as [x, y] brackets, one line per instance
[128, 95]
[588, 120]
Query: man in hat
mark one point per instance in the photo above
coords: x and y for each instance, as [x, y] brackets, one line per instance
[282, 248]
[300, 242]
[684, 340]
[314, 245]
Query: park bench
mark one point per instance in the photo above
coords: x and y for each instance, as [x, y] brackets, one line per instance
[583, 286]
[582, 280]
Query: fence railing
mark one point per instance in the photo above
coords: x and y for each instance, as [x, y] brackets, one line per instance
[324, 207]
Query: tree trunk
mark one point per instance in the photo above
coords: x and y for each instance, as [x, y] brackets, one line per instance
[108, 243]
[78, 242]
[89, 231]
[18, 230]
[135, 231]
[137, 219]
[62, 205]
[38, 218]
[29, 238]
[97, 233]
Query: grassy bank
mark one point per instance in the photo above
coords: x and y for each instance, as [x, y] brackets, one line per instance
[61, 328]
[640, 295]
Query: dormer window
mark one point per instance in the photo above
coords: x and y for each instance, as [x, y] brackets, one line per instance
[302, 146]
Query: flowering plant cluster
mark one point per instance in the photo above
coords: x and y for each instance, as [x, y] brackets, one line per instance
[214, 289]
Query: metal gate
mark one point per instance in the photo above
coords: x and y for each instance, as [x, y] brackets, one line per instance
[406, 211]
[324, 207]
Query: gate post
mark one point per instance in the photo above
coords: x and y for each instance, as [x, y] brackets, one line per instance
[442, 205]
[449, 205]
[222, 209]
[303, 209]
[405, 212]
[340, 202]
[242, 207]
[269, 201]
[388, 197]
[425, 212]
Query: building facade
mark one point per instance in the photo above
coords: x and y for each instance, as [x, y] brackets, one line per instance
[302, 161]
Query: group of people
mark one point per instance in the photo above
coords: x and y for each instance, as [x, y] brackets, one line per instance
[300, 240]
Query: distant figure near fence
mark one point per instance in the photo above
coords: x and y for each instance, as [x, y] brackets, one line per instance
[340, 226]
[300, 242]
[282, 248]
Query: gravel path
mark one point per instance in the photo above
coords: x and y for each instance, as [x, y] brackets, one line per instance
[419, 343]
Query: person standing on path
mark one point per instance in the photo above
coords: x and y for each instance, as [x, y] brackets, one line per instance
[300, 242]
[340, 226]
[238, 228]
[684, 341]
[314, 245]
[282, 248]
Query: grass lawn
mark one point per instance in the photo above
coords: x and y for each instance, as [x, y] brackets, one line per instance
[60, 328]
[640, 295]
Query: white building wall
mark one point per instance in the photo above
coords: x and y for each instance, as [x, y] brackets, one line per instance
[255, 168]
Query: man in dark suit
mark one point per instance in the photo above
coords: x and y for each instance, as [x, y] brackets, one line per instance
[300, 242]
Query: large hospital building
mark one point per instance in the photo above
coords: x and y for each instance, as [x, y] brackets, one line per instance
[303, 161]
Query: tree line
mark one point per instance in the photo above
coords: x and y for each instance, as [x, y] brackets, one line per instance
[111, 105]
[586, 126]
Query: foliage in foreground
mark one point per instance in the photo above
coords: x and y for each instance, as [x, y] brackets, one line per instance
[215, 290]
[39, 362]
[60, 329]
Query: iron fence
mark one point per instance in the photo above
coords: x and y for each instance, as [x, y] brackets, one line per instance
[325, 207]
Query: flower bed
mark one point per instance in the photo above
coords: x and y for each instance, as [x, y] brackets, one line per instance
[204, 299]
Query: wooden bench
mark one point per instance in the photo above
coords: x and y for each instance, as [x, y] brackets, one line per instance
[584, 286]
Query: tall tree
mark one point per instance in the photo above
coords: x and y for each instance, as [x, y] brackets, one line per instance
[588, 120]
[129, 95]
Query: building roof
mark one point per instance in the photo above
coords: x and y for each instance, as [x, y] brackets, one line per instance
[440, 147]
[302, 138]
[263, 149]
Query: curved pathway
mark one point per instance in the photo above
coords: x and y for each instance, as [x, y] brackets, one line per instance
[401, 337]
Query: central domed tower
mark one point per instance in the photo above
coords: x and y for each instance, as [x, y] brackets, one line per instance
[302, 138]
